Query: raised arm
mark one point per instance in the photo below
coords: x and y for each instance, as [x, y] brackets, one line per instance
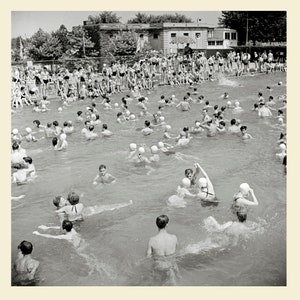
[149, 250]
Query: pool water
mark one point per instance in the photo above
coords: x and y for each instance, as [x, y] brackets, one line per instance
[117, 240]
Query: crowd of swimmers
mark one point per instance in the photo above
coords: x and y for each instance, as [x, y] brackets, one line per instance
[134, 106]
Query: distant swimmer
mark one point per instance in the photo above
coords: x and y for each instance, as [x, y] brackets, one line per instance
[162, 248]
[25, 267]
[63, 143]
[103, 176]
[245, 135]
[237, 109]
[206, 188]
[191, 175]
[264, 111]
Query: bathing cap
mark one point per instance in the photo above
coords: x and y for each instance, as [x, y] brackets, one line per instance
[43, 106]
[70, 122]
[197, 123]
[202, 182]
[162, 118]
[63, 136]
[28, 129]
[237, 103]
[146, 98]
[106, 104]
[59, 109]
[160, 144]
[280, 120]
[132, 117]
[244, 188]
[186, 182]
[168, 127]
[116, 105]
[93, 116]
[154, 149]
[141, 150]
[15, 131]
[238, 121]
[132, 146]
[173, 96]
[228, 102]
[282, 146]
[127, 113]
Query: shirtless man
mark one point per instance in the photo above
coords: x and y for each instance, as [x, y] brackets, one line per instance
[25, 266]
[162, 248]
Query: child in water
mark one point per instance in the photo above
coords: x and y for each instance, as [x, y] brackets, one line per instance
[104, 176]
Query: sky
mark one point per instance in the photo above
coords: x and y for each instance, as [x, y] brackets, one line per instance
[26, 23]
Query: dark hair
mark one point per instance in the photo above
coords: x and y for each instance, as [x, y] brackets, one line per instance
[79, 113]
[15, 146]
[37, 122]
[243, 127]
[67, 225]
[44, 97]
[233, 122]
[73, 198]
[65, 123]
[104, 126]
[206, 102]
[188, 171]
[162, 97]
[119, 114]
[28, 159]
[91, 127]
[242, 216]
[102, 167]
[25, 247]
[54, 141]
[147, 123]
[55, 123]
[216, 107]
[162, 221]
[56, 201]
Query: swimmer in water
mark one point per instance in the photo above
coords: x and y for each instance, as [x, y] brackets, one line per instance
[237, 109]
[105, 132]
[29, 137]
[162, 248]
[191, 175]
[132, 151]
[155, 157]
[182, 191]
[240, 201]
[206, 188]
[70, 234]
[103, 176]
[196, 128]
[25, 266]
[72, 212]
[245, 135]
[60, 202]
[22, 175]
[90, 134]
[63, 143]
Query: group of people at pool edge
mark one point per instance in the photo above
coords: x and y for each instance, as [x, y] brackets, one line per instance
[70, 211]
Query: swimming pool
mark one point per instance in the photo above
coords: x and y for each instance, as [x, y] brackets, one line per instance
[117, 240]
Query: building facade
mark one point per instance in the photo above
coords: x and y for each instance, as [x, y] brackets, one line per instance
[172, 37]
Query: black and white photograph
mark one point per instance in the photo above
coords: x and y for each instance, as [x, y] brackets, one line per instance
[148, 148]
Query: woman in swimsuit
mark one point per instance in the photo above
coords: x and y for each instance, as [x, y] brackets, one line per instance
[206, 192]
[240, 201]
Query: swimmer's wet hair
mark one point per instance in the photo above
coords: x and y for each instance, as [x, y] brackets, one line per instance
[102, 167]
[233, 122]
[162, 221]
[187, 171]
[25, 247]
[104, 126]
[55, 123]
[28, 159]
[242, 216]
[36, 122]
[56, 201]
[54, 141]
[79, 113]
[15, 146]
[67, 225]
[73, 198]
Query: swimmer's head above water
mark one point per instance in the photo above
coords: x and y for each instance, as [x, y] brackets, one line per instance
[186, 183]
[25, 247]
[67, 225]
[162, 221]
[245, 188]
[132, 147]
[73, 198]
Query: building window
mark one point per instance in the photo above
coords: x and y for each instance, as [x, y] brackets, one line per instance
[173, 35]
[227, 35]
[233, 35]
[197, 35]
[141, 36]
[210, 33]
[211, 43]
[219, 43]
[155, 36]
[186, 34]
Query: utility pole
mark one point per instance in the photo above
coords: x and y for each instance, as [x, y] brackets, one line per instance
[83, 44]
[247, 32]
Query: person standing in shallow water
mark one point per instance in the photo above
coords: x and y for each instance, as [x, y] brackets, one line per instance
[162, 248]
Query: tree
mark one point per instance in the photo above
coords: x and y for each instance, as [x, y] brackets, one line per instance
[80, 44]
[62, 35]
[166, 18]
[104, 17]
[263, 26]
[43, 46]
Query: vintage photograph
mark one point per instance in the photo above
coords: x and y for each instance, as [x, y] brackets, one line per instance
[148, 148]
